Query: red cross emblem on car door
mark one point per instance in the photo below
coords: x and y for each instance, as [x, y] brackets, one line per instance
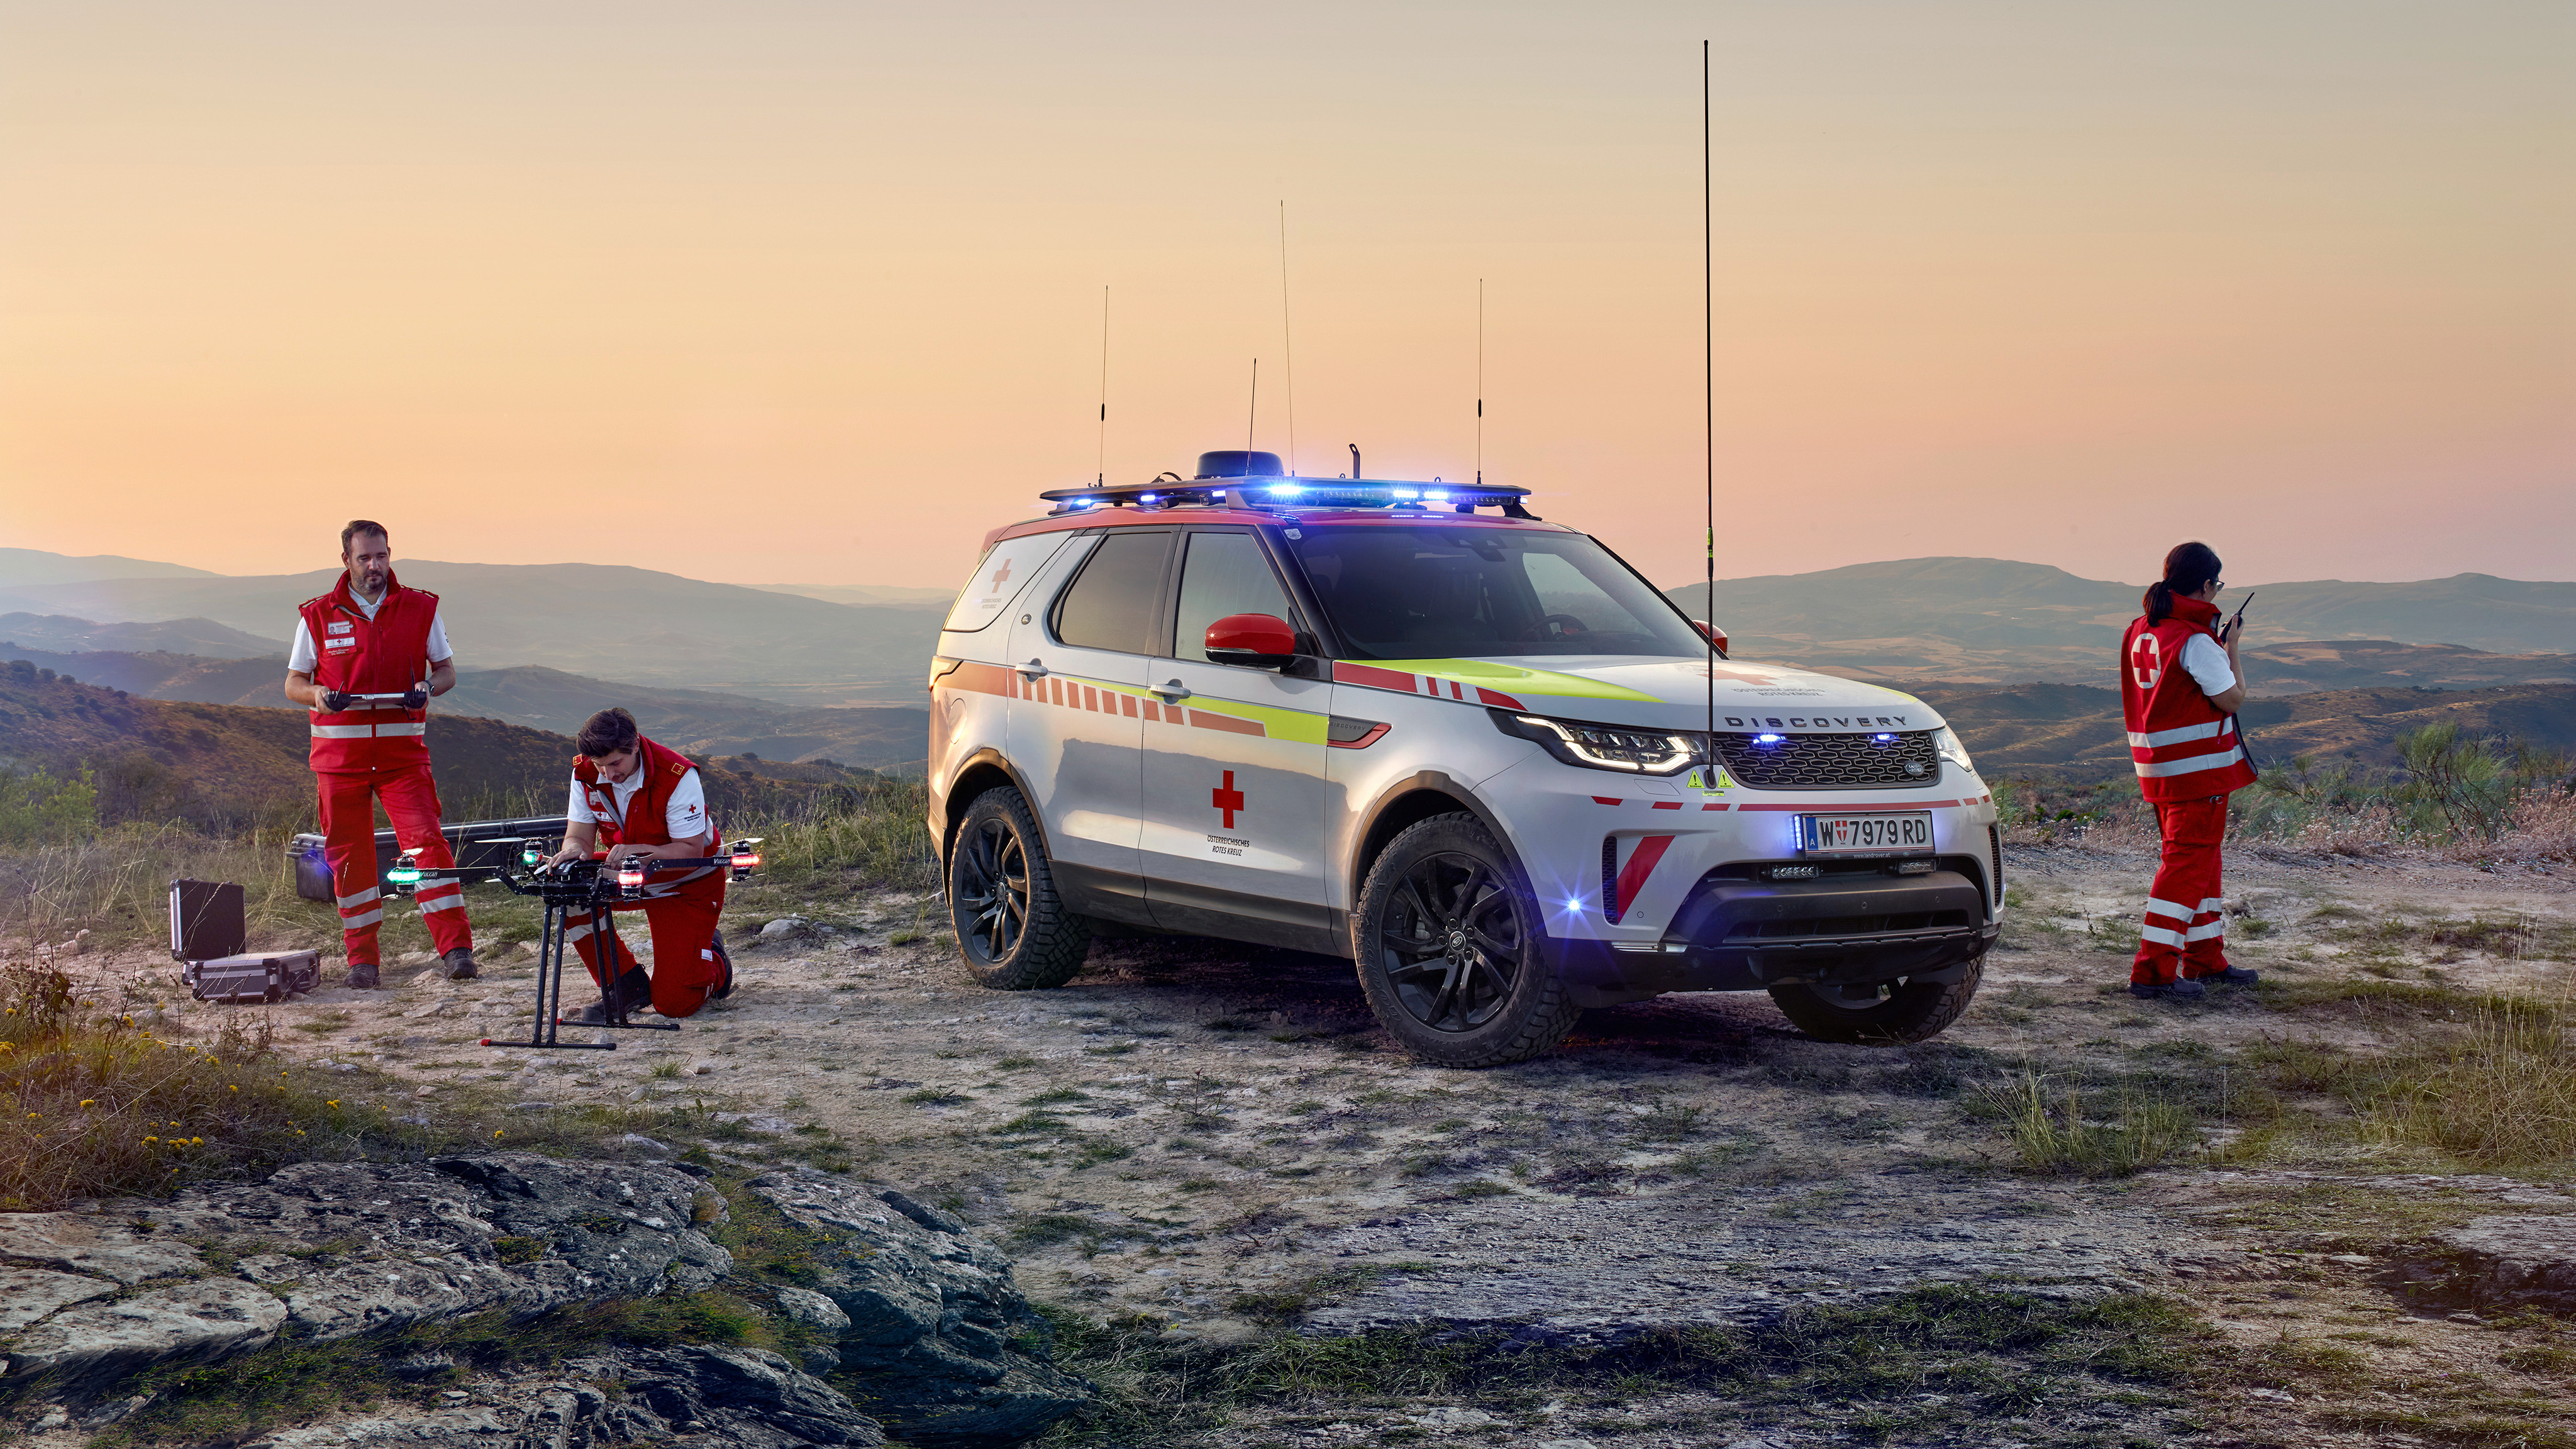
[1227, 798]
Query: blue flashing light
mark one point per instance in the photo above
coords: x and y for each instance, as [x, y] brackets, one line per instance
[1148, 497]
[1408, 492]
[1768, 739]
[1436, 495]
[1882, 738]
[1289, 490]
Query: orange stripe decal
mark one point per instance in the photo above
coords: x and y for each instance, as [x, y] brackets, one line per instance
[1226, 722]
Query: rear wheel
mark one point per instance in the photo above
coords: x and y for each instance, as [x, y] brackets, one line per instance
[1447, 944]
[1880, 1013]
[1012, 931]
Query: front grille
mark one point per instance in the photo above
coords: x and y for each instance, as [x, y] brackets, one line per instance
[1831, 762]
[1847, 925]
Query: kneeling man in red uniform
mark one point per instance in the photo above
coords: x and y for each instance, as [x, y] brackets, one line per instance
[372, 636]
[639, 800]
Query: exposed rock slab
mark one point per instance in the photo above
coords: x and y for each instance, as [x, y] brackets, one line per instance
[2512, 1261]
[937, 1330]
[84, 1243]
[87, 1347]
[28, 1294]
[1604, 1270]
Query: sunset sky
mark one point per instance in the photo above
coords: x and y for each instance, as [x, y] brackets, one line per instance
[774, 292]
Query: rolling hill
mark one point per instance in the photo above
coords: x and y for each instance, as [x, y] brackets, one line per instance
[229, 765]
[891, 737]
[27, 566]
[881, 596]
[2073, 732]
[1966, 619]
[173, 636]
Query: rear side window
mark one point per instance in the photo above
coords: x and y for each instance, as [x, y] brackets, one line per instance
[1221, 574]
[1113, 602]
[1005, 570]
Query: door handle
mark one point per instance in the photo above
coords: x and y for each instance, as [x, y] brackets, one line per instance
[1170, 692]
[1034, 669]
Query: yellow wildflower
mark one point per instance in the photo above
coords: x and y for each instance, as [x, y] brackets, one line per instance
[89, 1101]
[334, 1102]
[151, 1139]
[496, 1131]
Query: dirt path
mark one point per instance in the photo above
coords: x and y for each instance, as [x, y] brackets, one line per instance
[1220, 1137]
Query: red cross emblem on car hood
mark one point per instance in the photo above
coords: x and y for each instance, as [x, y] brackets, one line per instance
[1227, 798]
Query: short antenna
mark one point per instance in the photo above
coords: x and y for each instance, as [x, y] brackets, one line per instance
[1285, 343]
[1101, 476]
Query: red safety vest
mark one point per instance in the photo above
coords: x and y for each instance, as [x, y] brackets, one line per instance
[2184, 748]
[647, 821]
[388, 654]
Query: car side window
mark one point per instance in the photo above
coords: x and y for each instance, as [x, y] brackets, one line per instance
[1112, 604]
[1221, 574]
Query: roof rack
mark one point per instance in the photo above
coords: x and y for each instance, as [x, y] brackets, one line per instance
[1274, 492]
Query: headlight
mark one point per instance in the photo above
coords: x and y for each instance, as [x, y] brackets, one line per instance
[1947, 746]
[1604, 747]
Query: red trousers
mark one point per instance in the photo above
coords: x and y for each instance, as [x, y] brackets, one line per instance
[684, 938]
[2185, 932]
[349, 835]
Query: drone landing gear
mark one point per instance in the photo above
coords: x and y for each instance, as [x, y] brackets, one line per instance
[551, 950]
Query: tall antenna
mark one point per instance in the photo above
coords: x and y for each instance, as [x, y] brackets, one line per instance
[1102, 475]
[1254, 413]
[1285, 344]
[1480, 381]
[1708, 427]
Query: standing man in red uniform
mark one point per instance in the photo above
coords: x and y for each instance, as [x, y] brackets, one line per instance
[642, 801]
[372, 636]
[2180, 686]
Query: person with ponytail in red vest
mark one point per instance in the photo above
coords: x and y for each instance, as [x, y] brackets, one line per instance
[372, 636]
[2180, 686]
[634, 799]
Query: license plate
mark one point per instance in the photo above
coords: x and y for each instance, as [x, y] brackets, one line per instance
[1905, 833]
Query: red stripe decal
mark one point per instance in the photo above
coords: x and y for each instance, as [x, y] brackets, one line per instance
[1127, 705]
[1373, 677]
[1873, 807]
[1641, 864]
[1056, 687]
[1226, 722]
[1667, 804]
[1455, 692]
[1153, 711]
[1605, 799]
[1712, 807]
[1498, 701]
[1091, 699]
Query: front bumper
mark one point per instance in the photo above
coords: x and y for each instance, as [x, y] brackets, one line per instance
[1739, 932]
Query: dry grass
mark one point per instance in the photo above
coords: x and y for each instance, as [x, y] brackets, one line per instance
[2057, 1136]
[2497, 1093]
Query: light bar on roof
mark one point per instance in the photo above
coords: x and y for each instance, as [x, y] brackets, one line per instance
[1281, 493]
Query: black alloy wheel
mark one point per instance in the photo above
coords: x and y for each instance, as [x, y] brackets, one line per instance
[1446, 941]
[1012, 930]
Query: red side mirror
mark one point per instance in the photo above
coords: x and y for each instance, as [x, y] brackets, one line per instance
[1711, 633]
[1260, 640]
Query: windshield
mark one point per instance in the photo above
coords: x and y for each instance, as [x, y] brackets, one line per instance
[1438, 593]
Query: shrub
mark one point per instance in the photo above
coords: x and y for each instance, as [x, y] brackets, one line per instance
[36, 808]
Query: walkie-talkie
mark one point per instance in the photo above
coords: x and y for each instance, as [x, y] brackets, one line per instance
[2236, 620]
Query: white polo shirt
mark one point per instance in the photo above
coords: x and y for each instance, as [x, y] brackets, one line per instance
[2206, 659]
[684, 816]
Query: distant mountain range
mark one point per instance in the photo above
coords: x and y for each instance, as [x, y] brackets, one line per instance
[23, 567]
[876, 596]
[602, 620]
[173, 636]
[1972, 619]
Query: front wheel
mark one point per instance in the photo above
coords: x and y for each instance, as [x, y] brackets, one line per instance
[1880, 1013]
[1012, 931]
[1447, 945]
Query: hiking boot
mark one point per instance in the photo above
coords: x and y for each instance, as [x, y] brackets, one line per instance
[632, 993]
[2168, 990]
[724, 970]
[362, 975]
[458, 965]
[2230, 976]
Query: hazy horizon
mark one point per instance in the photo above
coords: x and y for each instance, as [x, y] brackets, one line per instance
[811, 294]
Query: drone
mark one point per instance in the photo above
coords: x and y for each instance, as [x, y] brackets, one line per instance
[564, 888]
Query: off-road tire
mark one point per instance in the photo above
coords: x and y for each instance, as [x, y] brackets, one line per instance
[1910, 1012]
[1446, 938]
[1013, 931]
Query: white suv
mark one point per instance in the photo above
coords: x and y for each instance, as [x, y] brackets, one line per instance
[1412, 725]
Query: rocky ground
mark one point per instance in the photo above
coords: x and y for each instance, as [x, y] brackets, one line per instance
[1206, 1142]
